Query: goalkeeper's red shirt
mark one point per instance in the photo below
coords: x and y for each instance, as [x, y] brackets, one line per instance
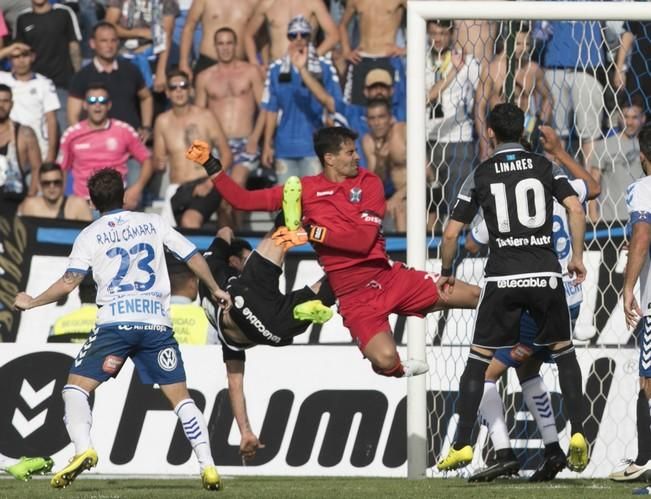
[353, 250]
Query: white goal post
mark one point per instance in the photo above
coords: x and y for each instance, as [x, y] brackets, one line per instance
[418, 12]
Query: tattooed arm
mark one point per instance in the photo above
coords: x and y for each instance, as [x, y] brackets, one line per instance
[62, 287]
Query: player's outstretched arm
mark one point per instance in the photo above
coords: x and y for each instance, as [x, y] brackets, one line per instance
[637, 251]
[200, 268]
[61, 288]
[236, 196]
[249, 442]
[576, 219]
[553, 145]
[448, 251]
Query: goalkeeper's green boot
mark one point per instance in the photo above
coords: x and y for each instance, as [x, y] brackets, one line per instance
[313, 311]
[577, 455]
[27, 466]
[292, 203]
[456, 459]
[84, 461]
[210, 479]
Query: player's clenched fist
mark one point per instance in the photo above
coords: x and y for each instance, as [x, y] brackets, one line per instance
[223, 298]
[249, 444]
[23, 301]
[199, 152]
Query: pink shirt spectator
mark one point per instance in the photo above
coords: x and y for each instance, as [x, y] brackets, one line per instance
[85, 150]
[3, 26]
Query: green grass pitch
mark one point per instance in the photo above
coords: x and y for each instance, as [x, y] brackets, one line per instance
[300, 488]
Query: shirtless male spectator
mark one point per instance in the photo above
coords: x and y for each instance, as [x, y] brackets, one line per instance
[531, 93]
[378, 26]
[191, 193]
[277, 14]
[232, 90]
[476, 38]
[52, 203]
[385, 148]
[19, 153]
[213, 16]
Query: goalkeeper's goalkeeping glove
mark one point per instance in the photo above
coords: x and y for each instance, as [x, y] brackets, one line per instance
[290, 238]
[199, 152]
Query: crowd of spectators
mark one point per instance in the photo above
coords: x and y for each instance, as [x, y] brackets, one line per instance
[131, 83]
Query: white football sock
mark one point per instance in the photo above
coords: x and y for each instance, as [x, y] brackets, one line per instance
[196, 431]
[78, 418]
[6, 461]
[491, 410]
[536, 396]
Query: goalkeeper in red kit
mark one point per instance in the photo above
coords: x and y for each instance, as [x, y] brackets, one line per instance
[342, 211]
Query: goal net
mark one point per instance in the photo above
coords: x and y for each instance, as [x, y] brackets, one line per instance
[577, 67]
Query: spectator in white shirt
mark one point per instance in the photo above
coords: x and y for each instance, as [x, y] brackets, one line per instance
[35, 100]
[452, 78]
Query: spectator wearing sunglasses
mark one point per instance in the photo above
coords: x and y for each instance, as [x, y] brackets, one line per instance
[293, 112]
[100, 142]
[190, 196]
[52, 203]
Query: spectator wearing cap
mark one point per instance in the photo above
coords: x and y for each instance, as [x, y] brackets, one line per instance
[378, 84]
[35, 100]
[276, 14]
[378, 32]
[53, 33]
[100, 142]
[293, 112]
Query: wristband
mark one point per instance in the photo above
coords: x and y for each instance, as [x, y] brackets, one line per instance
[446, 272]
[315, 233]
[212, 166]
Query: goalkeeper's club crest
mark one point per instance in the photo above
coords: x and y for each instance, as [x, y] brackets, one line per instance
[355, 195]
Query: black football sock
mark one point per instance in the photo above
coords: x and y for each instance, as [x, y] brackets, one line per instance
[553, 448]
[279, 220]
[505, 455]
[643, 430]
[471, 389]
[325, 294]
[569, 377]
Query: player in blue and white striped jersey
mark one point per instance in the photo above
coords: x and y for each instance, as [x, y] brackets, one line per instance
[638, 203]
[125, 251]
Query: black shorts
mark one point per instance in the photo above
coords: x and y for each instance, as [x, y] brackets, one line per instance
[502, 303]
[261, 311]
[183, 200]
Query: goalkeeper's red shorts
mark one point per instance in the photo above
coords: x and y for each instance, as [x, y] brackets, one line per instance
[396, 290]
